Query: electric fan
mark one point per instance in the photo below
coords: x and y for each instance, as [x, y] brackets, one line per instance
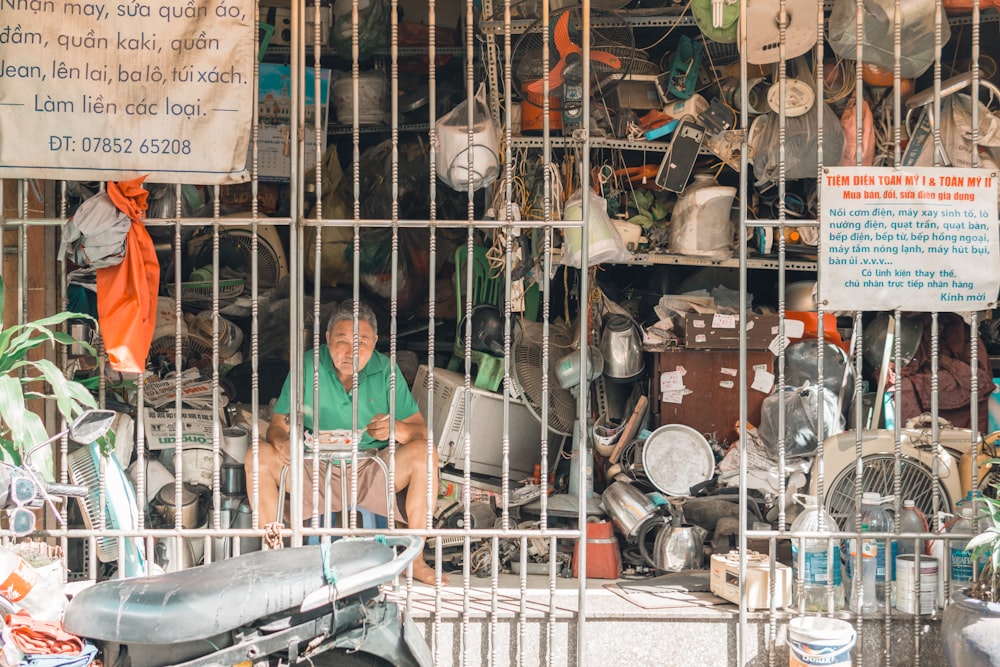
[613, 51]
[916, 483]
[235, 246]
[120, 511]
[528, 375]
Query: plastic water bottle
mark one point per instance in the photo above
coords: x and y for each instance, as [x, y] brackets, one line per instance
[817, 572]
[878, 572]
[22, 584]
[959, 557]
[911, 520]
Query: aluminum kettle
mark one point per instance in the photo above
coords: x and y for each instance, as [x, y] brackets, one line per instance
[629, 508]
[677, 546]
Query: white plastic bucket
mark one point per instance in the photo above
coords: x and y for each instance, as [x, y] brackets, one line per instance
[816, 640]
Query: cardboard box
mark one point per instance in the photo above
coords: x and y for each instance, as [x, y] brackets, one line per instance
[722, 332]
[724, 580]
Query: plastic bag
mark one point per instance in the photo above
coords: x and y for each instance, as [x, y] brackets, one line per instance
[956, 136]
[801, 137]
[336, 243]
[453, 145]
[373, 27]
[800, 420]
[848, 121]
[605, 243]
[916, 39]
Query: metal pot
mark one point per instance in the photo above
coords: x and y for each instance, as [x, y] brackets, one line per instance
[628, 507]
[190, 510]
[233, 481]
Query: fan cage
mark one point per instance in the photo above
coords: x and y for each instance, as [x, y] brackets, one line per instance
[916, 483]
[82, 471]
[239, 242]
[198, 295]
[527, 374]
[527, 52]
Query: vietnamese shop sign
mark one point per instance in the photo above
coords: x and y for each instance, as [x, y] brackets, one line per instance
[108, 91]
[914, 238]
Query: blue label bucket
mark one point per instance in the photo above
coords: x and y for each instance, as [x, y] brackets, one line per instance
[816, 640]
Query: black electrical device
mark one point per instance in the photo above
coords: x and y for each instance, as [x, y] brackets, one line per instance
[679, 160]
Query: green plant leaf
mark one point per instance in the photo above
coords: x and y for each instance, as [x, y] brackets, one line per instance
[985, 540]
[69, 401]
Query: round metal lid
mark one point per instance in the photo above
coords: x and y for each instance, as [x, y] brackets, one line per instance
[676, 457]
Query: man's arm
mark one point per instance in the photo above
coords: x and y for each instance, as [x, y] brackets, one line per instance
[279, 435]
[407, 430]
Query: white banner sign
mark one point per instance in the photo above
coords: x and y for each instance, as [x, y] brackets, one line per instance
[101, 91]
[916, 238]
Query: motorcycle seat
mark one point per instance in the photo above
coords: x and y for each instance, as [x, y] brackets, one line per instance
[208, 600]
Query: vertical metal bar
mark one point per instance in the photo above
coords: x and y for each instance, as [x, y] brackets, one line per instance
[296, 290]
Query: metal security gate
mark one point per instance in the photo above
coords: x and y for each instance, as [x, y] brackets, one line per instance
[443, 178]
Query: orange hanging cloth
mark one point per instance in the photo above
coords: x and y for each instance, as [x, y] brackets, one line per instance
[126, 293]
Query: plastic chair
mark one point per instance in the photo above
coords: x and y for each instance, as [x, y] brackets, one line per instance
[485, 291]
[342, 457]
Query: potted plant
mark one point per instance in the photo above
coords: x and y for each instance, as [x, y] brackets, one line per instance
[23, 379]
[970, 628]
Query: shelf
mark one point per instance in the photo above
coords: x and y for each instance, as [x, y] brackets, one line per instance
[368, 129]
[653, 18]
[657, 18]
[401, 51]
[595, 142]
[653, 259]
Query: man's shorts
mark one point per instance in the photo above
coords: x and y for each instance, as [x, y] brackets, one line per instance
[371, 487]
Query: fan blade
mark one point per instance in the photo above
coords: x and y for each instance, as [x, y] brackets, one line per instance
[555, 80]
[609, 59]
[561, 34]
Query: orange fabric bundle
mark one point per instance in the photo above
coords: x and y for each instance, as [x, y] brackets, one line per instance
[42, 637]
[126, 293]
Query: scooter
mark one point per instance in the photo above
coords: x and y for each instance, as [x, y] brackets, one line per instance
[23, 489]
[316, 604]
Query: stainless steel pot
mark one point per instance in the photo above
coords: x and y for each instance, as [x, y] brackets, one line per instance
[190, 510]
[233, 481]
[628, 507]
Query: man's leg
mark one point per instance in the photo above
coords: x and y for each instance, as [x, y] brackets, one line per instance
[411, 474]
[271, 465]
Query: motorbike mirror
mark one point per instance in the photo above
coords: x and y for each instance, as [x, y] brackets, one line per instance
[91, 425]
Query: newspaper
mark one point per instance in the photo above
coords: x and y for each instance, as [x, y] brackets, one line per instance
[161, 428]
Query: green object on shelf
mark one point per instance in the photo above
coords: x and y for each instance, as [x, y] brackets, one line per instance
[684, 69]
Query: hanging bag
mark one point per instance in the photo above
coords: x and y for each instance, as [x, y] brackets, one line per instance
[455, 152]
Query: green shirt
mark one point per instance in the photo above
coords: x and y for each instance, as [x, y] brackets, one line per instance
[336, 403]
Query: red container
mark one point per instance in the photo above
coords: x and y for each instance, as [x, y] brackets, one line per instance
[604, 560]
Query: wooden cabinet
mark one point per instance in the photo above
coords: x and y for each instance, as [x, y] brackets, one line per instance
[709, 401]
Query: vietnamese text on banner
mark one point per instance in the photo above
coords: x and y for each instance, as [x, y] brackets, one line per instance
[99, 91]
[919, 239]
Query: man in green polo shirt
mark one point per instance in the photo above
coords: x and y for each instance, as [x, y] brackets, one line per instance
[336, 411]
